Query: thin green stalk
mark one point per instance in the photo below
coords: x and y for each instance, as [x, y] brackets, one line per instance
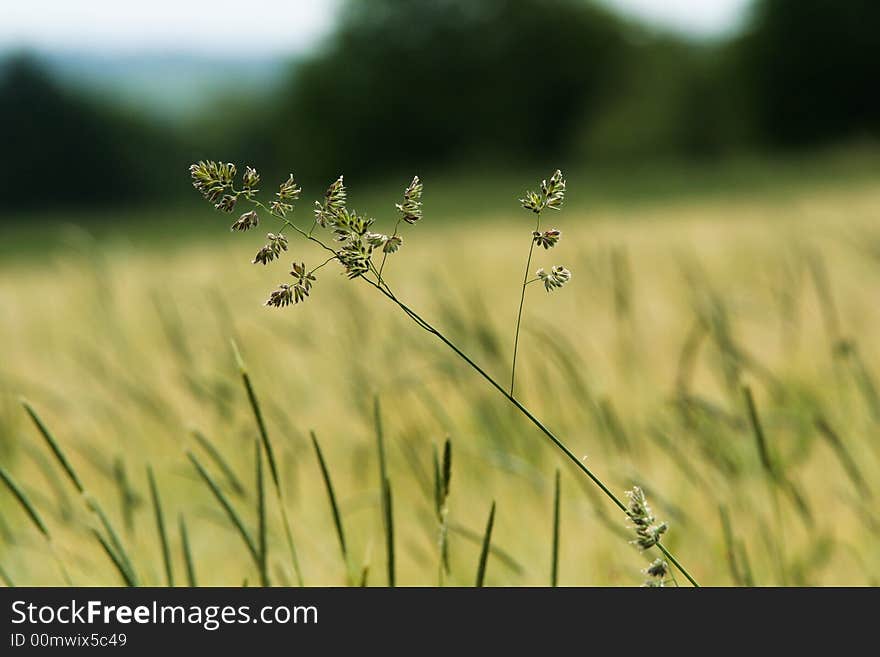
[53, 445]
[262, 545]
[160, 526]
[31, 511]
[187, 553]
[388, 515]
[730, 546]
[845, 458]
[387, 510]
[270, 455]
[522, 300]
[219, 461]
[773, 481]
[117, 563]
[484, 551]
[383, 287]
[24, 502]
[534, 420]
[115, 541]
[334, 507]
[227, 508]
[442, 477]
[7, 580]
[91, 503]
[554, 568]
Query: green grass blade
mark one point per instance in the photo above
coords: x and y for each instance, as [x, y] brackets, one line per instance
[117, 563]
[387, 508]
[53, 445]
[554, 568]
[7, 581]
[447, 467]
[262, 545]
[388, 514]
[115, 541]
[270, 456]
[484, 551]
[221, 463]
[258, 416]
[730, 546]
[24, 502]
[380, 439]
[187, 553]
[843, 455]
[227, 507]
[438, 483]
[748, 579]
[160, 526]
[337, 518]
[758, 432]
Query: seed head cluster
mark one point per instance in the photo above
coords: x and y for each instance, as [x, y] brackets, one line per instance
[556, 277]
[648, 531]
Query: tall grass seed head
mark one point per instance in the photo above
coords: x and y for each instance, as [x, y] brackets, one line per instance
[212, 179]
[246, 221]
[288, 191]
[275, 246]
[355, 257]
[648, 531]
[656, 574]
[388, 243]
[411, 208]
[551, 196]
[250, 179]
[556, 277]
[327, 210]
[548, 239]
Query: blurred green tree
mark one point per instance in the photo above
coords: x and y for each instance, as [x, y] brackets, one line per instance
[404, 83]
[63, 151]
[813, 68]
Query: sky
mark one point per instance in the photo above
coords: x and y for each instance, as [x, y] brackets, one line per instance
[257, 27]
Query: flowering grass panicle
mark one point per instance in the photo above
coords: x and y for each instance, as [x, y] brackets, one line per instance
[648, 530]
[334, 201]
[246, 221]
[349, 241]
[556, 277]
[656, 573]
[411, 208]
[276, 245]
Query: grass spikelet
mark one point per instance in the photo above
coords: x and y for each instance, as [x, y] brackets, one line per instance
[160, 527]
[331, 495]
[484, 550]
[227, 508]
[187, 553]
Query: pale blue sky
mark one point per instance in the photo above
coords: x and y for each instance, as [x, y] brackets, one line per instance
[261, 27]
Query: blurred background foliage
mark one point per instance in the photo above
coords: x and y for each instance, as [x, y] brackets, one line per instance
[431, 85]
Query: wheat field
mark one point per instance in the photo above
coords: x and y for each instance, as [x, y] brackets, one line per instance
[123, 349]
